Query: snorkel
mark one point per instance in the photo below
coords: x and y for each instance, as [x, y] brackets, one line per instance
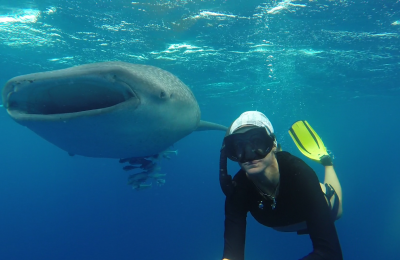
[225, 180]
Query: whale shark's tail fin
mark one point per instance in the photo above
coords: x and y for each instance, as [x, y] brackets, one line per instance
[205, 125]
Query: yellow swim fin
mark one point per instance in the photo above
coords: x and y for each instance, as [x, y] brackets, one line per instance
[307, 140]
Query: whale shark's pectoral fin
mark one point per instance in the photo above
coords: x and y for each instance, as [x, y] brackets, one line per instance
[204, 126]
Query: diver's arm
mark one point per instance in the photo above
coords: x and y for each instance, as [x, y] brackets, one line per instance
[235, 231]
[320, 224]
[235, 223]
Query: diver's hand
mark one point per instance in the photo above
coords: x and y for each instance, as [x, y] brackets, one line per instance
[326, 160]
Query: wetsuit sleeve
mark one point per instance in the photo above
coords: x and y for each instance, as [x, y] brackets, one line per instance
[320, 224]
[235, 225]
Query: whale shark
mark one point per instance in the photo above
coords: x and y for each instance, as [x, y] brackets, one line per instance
[106, 109]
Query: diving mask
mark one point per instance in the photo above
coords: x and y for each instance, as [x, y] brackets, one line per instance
[253, 144]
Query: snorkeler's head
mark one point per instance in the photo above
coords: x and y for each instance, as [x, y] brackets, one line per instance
[252, 118]
[250, 137]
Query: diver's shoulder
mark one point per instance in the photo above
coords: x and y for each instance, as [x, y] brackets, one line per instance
[293, 165]
[287, 159]
[240, 176]
[241, 182]
[240, 179]
[285, 156]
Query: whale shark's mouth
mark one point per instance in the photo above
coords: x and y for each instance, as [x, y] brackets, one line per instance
[65, 96]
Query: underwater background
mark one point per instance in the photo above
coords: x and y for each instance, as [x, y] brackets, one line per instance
[332, 63]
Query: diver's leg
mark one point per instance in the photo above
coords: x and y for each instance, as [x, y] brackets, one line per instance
[332, 179]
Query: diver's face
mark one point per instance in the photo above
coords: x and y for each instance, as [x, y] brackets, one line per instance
[258, 166]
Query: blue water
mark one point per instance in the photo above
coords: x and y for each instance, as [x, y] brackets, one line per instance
[333, 63]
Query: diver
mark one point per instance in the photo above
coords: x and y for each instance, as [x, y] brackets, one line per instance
[279, 190]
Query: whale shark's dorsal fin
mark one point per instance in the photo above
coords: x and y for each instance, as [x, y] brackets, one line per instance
[205, 125]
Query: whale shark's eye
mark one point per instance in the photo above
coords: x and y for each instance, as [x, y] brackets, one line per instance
[162, 94]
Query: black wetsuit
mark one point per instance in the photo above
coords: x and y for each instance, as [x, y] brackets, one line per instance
[299, 199]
